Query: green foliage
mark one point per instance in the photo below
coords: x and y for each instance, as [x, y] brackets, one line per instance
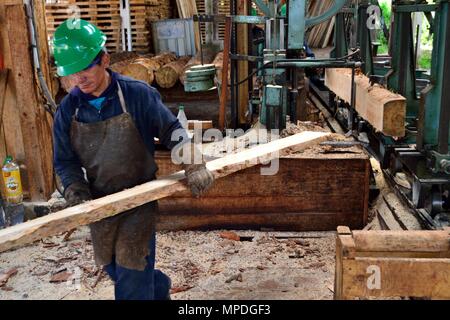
[386, 12]
[424, 60]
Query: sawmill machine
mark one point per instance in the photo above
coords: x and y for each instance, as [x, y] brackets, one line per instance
[422, 154]
[278, 62]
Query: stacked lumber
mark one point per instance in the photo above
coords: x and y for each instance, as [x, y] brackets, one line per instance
[222, 8]
[168, 75]
[208, 57]
[156, 10]
[320, 35]
[139, 30]
[383, 109]
[186, 9]
[106, 15]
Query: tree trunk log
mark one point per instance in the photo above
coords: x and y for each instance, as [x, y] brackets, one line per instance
[143, 68]
[168, 75]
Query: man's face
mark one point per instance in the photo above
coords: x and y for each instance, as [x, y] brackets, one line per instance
[91, 79]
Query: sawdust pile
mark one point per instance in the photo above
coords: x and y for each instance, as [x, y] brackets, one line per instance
[302, 126]
[202, 265]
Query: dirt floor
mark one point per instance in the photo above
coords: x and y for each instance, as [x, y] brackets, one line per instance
[202, 265]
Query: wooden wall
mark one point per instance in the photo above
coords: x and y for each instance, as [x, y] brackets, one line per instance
[25, 125]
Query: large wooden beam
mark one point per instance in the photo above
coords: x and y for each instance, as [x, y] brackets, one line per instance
[111, 205]
[305, 195]
[383, 109]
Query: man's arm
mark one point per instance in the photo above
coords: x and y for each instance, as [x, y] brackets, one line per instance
[164, 123]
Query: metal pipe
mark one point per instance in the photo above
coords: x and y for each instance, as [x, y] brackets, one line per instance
[294, 95]
[352, 103]
[37, 58]
[314, 64]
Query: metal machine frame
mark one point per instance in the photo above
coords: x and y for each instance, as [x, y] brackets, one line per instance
[423, 154]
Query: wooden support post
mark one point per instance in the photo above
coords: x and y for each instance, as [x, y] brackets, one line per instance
[41, 34]
[34, 122]
[11, 137]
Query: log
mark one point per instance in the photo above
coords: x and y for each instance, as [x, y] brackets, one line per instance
[143, 68]
[114, 204]
[383, 109]
[120, 66]
[123, 59]
[218, 63]
[208, 56]
[123, 56]
[168, 75]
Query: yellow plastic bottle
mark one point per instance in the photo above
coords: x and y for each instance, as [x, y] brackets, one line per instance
[12, 181]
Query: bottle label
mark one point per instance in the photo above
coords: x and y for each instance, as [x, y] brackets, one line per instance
[12, 183]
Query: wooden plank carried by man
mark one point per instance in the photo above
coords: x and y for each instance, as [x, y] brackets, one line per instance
[113, 204]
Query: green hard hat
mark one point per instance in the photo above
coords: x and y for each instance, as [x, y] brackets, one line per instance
[76, 43]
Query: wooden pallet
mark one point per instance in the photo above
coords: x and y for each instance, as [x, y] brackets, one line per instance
[223, 8]
[106, 15]
[384, 264]
[319, 36]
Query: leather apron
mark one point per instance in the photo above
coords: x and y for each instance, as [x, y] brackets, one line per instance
[115, 158]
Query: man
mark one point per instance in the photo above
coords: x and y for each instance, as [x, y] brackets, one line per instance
[107, 125]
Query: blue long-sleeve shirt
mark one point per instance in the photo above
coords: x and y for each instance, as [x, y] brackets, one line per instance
[143, 102]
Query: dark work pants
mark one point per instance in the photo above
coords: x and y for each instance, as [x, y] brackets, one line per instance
[149, 284]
